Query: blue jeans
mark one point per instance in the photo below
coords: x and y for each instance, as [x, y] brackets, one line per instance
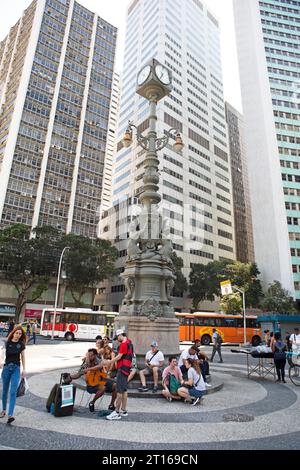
[10, 375]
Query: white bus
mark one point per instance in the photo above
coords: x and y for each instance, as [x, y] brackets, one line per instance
[77, 323]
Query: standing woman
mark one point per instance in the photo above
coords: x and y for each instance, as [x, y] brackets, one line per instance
[15, 349]
[279, 348]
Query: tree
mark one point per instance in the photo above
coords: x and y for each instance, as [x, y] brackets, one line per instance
[28, 262]
[277, 299]
[87, 263]
[181, 284]
[205, 281]
[245, 276]
[231, 304]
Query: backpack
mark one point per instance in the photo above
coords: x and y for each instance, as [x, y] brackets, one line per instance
[219, 339]
[280, 354]
[174, 384]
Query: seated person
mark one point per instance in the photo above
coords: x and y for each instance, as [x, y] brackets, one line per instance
[174, 370]
[106, 340]
[99, 346]
[197, 344]
[133, 369]
[154, 361]
[193, 388]
[190, 353]
[204, 366]
[95, 375]
[107, 355]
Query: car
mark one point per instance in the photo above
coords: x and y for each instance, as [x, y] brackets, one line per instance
[25, 323]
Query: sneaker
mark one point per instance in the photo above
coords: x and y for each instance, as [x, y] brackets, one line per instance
[143, 389]
[123, 412]
[220, 362]
[91, 407]
[196, 401]
[208, 385]
[10, 419]
[112, 407]
[154, 390]
[169, 399]
[113, 416]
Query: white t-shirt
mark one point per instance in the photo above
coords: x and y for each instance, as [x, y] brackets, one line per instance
[156, 359]
[192, 374]
[186, 355]
[295, 341]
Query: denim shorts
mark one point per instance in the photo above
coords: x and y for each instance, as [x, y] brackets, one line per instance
[195, 393]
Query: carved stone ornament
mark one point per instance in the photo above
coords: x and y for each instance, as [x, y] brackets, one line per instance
[151, 309]
[130, 285]
[169, 288]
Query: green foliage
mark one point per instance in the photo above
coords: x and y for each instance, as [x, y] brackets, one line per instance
[87, 263]
[28, 262]
[245, 276]
[231, 304]
[278, 300]
[205, 281]
[181, 284]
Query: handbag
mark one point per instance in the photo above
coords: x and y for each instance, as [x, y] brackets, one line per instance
[174, 384]
[22, 387]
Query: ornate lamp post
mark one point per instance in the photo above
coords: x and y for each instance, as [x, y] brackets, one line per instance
[147, 311]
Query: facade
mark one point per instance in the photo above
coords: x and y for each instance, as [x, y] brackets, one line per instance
[240, 186]
[56, 72]
[268, 34]
[195, 185]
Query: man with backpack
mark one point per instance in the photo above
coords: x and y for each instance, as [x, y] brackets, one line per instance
[217, 343]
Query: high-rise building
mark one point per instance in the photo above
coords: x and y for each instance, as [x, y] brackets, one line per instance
[240, 186]
[268, 34]
[195, 185]
[56, 72]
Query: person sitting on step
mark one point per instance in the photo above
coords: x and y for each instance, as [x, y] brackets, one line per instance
[193, 388]
[169, 389]
[95, 374]
[154, 362]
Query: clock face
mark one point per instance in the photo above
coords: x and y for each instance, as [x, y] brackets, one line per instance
[163, 74]
[143, 75]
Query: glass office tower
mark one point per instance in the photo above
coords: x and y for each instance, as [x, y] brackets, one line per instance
[195, 185]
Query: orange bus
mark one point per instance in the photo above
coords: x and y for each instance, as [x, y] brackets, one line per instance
[199, 325]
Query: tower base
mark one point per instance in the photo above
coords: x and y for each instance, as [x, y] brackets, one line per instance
[141, 331]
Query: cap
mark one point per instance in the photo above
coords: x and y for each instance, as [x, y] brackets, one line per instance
[154, 344]
[118, 332]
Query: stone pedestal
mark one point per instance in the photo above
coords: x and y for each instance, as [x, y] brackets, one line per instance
[141, 331]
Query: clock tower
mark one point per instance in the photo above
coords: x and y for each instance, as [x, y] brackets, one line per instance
[147, 310]
[154, 79]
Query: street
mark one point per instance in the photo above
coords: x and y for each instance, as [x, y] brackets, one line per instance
[245, 414]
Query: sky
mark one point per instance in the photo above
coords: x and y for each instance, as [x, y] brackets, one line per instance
[114, 11]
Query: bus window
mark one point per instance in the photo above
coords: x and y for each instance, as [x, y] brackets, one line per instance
[240, 323]
[182, 320]
[252, 323]
[209, 322]
[229, 322]
[218, 322]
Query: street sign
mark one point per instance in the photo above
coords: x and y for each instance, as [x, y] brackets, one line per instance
[226, 288]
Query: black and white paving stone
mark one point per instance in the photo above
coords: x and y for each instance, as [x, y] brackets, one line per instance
[245, 414]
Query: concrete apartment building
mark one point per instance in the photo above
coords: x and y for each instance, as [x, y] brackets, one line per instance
[268, 35]
[56, 122]
[195, 185]
[240, 186]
